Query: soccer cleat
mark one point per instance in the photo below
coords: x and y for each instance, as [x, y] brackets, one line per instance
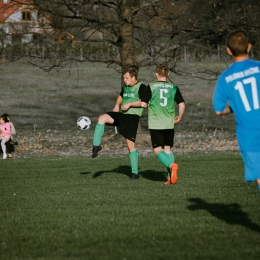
[135, 176]
[174, 176]
[168, 181]
[95, 151]
[4, 156]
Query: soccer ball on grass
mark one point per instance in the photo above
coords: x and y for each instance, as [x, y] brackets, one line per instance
[83, 123]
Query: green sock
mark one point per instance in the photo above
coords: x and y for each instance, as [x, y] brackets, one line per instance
[171, 157]
[164, 159]
[99, 131]
[134, 161]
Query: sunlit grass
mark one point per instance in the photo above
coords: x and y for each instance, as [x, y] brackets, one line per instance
[84, 208]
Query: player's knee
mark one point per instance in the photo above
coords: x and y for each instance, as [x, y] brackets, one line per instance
[157, 150]
[102, 119]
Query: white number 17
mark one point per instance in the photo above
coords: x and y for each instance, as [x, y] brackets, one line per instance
[240, 87]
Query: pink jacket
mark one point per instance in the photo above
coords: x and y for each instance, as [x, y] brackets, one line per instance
[6, 129]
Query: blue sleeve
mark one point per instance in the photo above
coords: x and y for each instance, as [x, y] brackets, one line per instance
[219, 97]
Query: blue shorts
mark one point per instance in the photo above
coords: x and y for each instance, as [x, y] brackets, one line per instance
[252, 165]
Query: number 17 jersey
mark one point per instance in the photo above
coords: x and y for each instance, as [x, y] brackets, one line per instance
[239, 85]
[161, 109]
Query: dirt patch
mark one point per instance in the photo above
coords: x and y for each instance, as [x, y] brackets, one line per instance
[66, 144]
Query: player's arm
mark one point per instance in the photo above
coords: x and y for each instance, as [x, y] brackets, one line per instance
[226, 111]
[181, 106]
[145, 94]
[137, 103]
[181, 111]
[220, 99]
[131, 104]
[118, 103]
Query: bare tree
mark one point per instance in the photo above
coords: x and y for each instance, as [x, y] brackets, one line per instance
[212, 20]
[136, 32]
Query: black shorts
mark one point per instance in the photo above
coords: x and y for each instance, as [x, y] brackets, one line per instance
[127, 123]
[162, 137]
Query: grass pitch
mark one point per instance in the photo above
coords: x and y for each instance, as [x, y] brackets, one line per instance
[84, 208]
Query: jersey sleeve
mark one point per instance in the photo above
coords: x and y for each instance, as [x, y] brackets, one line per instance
[122, 92]
[178, 97]
[219, 97]
[145, 93]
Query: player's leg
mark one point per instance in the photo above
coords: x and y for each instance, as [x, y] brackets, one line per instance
[173, 169]
[167, 150]
[99, 131]
[3, 141]
[128, 128]
[252, 166]
[133, 155]
[8, 149]
[158, 142]
[162, 156]
[169, 140]
[258, 184]
[165, 160]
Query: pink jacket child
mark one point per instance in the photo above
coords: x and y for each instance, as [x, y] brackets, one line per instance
[5, 134]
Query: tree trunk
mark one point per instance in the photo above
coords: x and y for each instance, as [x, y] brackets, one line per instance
[126, 31]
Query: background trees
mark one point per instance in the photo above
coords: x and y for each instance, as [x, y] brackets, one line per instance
[139, 32]
[131, 32]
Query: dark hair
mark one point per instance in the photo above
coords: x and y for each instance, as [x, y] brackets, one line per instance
[5, 118]
[132, 70]
[5, 115]
[162, 70]
[237, 41]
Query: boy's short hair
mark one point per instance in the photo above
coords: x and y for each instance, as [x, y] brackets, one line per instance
[132, 70]
[162, 70]
[237, 41]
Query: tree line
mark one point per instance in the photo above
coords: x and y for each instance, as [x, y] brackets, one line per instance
[143, 32]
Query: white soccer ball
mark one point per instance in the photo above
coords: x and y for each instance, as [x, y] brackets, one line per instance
[83, 123]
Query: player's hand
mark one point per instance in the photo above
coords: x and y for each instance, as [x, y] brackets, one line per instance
[177, 119]
[126, 106]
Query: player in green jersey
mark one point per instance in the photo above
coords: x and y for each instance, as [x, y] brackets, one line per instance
[161, 119]
[125, 115]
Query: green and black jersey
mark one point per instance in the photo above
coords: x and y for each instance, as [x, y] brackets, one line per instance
[161, 109]
[132, 94]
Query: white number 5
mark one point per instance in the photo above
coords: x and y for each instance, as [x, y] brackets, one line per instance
[240, 87]
[162, 91]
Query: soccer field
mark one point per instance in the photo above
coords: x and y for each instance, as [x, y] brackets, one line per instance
[83, 208]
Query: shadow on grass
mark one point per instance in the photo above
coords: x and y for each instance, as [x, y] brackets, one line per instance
[154, 175]
[232, 214]
[85, 173]
[126, 170]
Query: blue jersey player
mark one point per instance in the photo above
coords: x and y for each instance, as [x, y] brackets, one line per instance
[238, 91]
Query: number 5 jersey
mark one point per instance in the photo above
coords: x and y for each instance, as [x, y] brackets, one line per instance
[161, 109]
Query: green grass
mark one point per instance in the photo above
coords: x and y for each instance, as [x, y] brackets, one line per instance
[83, 208]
